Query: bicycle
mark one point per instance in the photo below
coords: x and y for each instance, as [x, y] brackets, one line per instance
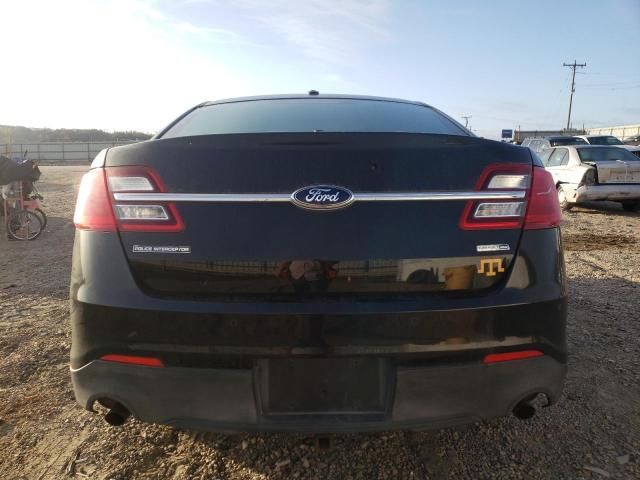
[25, 219]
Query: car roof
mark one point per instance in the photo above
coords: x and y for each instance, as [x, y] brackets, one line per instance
[556, 137]
[594, 136]
[589, 146]
[313, 96]
[559, 137]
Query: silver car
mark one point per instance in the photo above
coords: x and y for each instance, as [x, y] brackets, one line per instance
[609, 141]
[587, 173]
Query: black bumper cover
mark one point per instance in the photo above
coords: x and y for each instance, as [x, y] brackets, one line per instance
[224, 399]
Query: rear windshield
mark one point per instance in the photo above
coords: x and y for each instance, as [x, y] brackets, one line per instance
[555, 142]
[606, 155]
[605, 140]
[312, 115]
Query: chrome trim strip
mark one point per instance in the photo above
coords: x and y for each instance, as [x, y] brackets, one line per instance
[286, 197]
[438, 196]
[202, 197]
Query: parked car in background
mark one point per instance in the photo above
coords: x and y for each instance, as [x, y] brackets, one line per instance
[608, 140]
[538, 144]
[634, 140]
[317, 263]
[586, 173]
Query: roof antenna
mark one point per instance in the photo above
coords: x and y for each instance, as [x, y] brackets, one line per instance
[314, 92]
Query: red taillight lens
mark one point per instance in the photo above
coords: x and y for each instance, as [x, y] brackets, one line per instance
[133, 360]
[141, 216]
[498, 214]
[509, 356]
[93, 207]
[543, 210]
[97, 208]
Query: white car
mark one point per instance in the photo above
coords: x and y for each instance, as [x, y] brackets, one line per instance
[588, 173]
[608, 141]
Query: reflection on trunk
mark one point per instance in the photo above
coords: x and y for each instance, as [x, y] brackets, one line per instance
[318, 278]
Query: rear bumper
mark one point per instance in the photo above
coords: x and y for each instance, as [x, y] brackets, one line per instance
[606, 192]
[433, 347]
[224, 399]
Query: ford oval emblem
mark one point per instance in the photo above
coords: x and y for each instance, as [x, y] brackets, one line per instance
[322, 197]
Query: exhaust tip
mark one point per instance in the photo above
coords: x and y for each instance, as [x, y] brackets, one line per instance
[115, 419]
[117, 414]
[524, 411]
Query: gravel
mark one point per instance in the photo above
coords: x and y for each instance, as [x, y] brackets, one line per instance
[593, 433]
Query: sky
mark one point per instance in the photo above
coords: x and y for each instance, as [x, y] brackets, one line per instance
[138, 64]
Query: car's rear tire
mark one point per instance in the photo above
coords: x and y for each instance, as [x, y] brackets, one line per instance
[631, 206]
[565, 205]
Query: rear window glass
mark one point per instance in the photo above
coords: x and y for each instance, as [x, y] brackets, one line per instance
[604, 140]
[568, 141]
[544, 155]
[312, 115]
[606, 155]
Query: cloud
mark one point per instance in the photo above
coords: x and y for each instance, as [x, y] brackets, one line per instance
[217, 35]
[332, 32]
[147, 10]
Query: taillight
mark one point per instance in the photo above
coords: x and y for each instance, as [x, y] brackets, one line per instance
[498, 214]
[93, 207]
[141, 216]
[543, 210]
[589, 177]
[537, 208]
[97, 208]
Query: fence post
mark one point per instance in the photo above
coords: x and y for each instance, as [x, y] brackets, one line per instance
[63, 160]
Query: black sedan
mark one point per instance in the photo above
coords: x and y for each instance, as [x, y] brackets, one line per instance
[317, 263]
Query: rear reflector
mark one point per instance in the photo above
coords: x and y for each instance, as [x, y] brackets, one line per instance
[508, 356]
[133, 360]
[93, 207]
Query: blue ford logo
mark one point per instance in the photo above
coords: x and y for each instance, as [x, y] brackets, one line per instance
[322, 197]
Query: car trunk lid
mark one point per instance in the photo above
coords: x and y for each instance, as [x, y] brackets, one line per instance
[397, 243]
[618, 171]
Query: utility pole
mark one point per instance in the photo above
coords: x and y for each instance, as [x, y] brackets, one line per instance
[466, 120]
[573, 67]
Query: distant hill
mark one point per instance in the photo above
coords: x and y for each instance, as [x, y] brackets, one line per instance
[14, 134]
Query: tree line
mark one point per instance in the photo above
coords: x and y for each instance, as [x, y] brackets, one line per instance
[16, 134]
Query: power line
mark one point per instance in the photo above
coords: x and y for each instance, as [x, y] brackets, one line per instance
[573, 67]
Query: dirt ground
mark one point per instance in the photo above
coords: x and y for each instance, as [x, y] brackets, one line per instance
[594, 432]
